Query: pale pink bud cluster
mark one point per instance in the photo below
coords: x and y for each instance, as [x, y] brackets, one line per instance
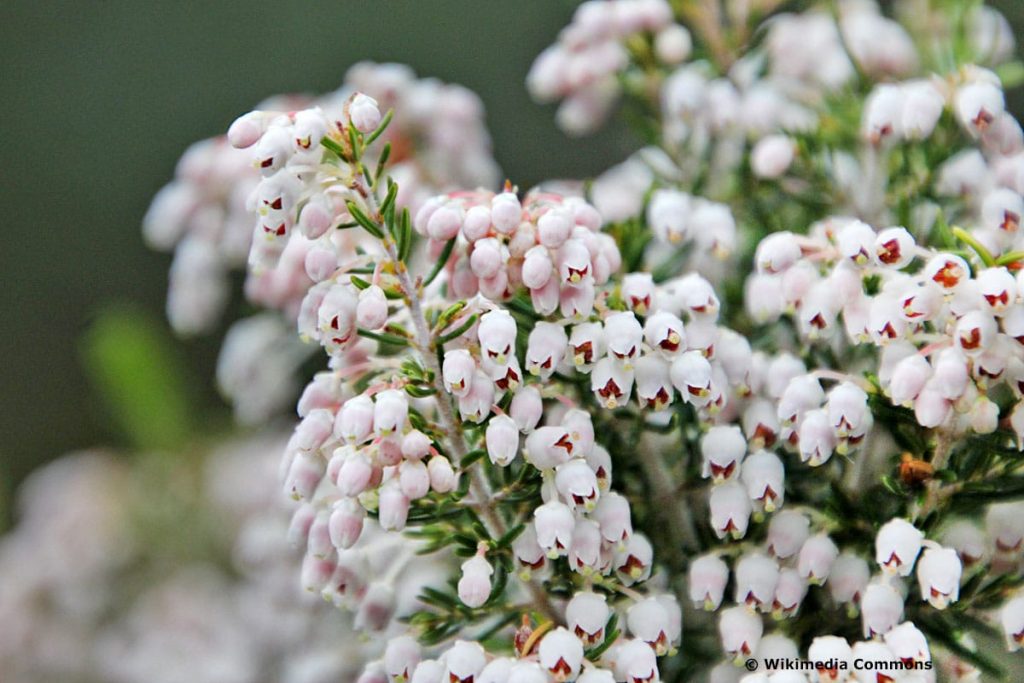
[548, 244]
[581, 69]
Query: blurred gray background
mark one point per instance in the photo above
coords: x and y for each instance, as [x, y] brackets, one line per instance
[101, 98]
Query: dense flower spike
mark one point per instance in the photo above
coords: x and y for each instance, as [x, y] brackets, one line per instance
[543, 388]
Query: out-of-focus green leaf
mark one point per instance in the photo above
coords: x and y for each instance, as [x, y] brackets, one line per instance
[131, 363]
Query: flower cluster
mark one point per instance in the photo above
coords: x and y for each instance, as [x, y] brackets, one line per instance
[589, 425]
[103, 587]
[582, 69]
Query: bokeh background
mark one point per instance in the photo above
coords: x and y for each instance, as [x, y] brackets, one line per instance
[99, 101]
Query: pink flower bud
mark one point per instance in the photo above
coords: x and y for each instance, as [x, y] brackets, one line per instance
[309, 129]
[372, 309]
[444, 223]
[665, 332]
[585, 555]
[730, 510]
[760, 424]
[586, 615]
[390, 412]
[346, 523]
[633, 563]
[978, 105]
[442, 477]
[611, 383]
[464, 661]
[246, 130]
[354, 422]
[529, 555]
[272, 150]
[789, 593]
[553, 521]
[502, 439]
[475, 584]
[787, 533]
[772, 156]
[613, 514]
[537, 267]
[561, 654]
[897, 545]
[413, 479]
[740, 631]
[316, 572]
[673, 44]
[1012, 619]
[575, 303]
[883, 114]
[998, 289]
[498, 670]
[476, 405]
[635, 662]
[553, 228]
[300, 524]
[363, 113]
[938, 575]
[908, 644]
[777, 252]
[697, 296]
[458, 371]
[393, 506]
[573, 261]
[545, 349]
[401, 658]
[801, 395]
[527, 672]
[415, 445]
[848, 579]
[951, 376]
[577, 484]
[756, 579]
[707, 579]
[526, 408]
[477, 224]
[650, 620]
[337, 316]
[497, 335]
[831, 650]
[920, 303]
[817, 438]
[816, 558]
[304, 475]
[1002, 210]
[764, 476]
[894, 247]
[586, 345]
[653, 386]
[581, 431]
[548, 447]
[722, 448]
[691, 376]
[975, 332]
[1004, 523]
[882, 608]
[922, 107]
[506, 212]
[321, 261]
[488, 257]
[908, 379]
[638, 292]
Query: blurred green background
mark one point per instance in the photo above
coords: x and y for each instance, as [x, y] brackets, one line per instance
[101, 98]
